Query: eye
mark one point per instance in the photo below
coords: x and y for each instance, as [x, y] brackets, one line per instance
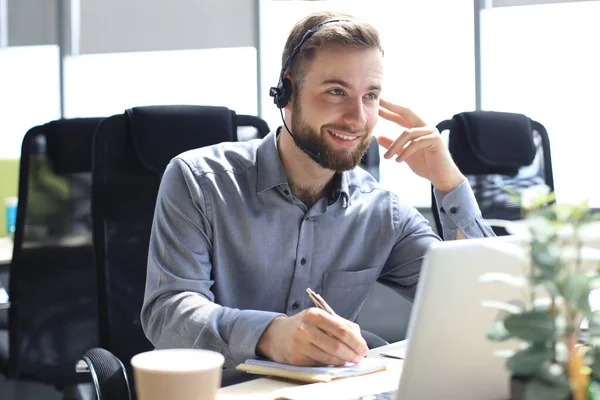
[336, 92]
[371, 96]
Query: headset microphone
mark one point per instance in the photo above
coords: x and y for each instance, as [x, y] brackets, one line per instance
[283, 91]
[302, 146]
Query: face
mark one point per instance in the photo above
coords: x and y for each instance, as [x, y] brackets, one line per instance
[337, 107]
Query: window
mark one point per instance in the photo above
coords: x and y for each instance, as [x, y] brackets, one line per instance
[108, 84]
[29, 93]
[546, 66]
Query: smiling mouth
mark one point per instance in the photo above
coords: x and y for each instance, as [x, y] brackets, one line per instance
[347, 138]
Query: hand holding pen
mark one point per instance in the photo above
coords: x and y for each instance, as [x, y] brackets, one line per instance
[315, 336]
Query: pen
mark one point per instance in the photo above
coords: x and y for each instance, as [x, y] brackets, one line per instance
[319, 301]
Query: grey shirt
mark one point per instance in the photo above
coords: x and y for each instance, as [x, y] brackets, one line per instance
[231, 248]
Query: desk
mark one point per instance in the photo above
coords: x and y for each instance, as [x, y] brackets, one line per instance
[270, 389]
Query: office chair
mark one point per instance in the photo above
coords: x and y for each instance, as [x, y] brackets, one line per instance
[131, 151]
[53, 314]
[370, 161]
[497, 151]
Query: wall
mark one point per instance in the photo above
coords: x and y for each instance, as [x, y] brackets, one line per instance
[144, 25]
[32, 22]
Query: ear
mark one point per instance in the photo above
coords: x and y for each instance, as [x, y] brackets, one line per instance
[288, 84]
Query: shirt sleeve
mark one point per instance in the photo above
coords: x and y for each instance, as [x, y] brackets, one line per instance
[458, 209]
[403, 266]
[179, 309]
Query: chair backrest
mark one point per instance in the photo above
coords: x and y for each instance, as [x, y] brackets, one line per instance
[131, 151]
[370, 161]
[498, 152]
[53, 313]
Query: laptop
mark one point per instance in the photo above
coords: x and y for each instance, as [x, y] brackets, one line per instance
[448, 354]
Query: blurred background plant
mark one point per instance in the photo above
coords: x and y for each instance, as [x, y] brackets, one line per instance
[559, 357]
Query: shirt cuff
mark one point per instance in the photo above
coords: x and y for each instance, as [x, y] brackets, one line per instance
[247, 331]
[457, 209]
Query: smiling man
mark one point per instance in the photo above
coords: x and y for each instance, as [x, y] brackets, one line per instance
[242, 229]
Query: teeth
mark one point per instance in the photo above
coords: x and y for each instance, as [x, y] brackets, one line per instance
[343, 136]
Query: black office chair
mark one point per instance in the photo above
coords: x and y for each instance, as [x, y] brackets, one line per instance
[497, 151]
[131, 151]
[53, 311]
[370, 161]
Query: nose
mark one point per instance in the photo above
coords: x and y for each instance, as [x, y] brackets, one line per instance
[355, 115]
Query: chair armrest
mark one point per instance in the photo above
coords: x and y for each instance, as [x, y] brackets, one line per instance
[108, 374]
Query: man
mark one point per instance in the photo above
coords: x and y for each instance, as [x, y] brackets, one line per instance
[242, 229]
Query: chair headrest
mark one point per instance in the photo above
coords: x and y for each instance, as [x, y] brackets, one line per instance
[490, 142]
[162, 132]
[69, 144]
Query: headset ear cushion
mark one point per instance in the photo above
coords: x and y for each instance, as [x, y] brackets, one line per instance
[285, 93]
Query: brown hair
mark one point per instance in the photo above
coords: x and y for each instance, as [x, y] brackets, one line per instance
[354, 33]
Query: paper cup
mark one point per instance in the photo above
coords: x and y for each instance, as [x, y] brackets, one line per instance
[182, 374]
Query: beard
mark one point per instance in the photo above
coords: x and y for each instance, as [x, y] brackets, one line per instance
[336, 159]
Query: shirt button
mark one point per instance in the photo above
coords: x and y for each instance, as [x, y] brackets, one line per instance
[303, 261]
[295, 305]
[453, 210]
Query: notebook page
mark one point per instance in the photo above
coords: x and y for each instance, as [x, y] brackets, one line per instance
[365, 366]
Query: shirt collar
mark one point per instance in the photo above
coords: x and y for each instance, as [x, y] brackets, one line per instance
[268, 165]
[339, 189]
[270, 171]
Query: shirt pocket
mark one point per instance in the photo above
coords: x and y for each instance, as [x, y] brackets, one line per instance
[346, 291]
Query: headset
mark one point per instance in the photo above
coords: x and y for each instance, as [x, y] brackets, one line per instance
[283, 91]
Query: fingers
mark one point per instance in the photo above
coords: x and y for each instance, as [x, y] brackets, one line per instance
[404, 140]
[390, 116]
[415, 146]
[344, 331]
[388, 110]
[328, 350]
[385, 141]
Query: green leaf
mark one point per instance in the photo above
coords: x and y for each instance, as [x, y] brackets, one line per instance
[541, 228]
[508, 308]
[594, 364]
[565, 212]
[530, 360]
[538, 389]
[548, 213]
[594, 391]
[594, 324]
[497, 332]
[533, 326]
[547, 258]
[576, 290]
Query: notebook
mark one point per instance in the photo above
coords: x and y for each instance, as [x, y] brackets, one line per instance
[312, 374]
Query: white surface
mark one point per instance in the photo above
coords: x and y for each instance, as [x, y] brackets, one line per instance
[29, 93]
[447, 331]
[268, 388]
[546, 65]
[108, 84]
[428, 64]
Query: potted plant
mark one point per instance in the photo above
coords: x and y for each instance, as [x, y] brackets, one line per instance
[557, 360]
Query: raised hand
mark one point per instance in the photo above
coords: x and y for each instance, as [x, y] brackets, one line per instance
[420, 146]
